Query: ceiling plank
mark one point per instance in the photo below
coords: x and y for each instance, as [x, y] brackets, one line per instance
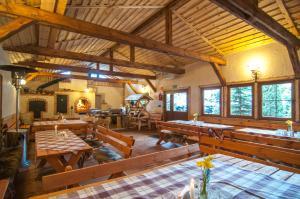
[219, 73]
[197, 32]
[83, 70]
[151, 85]
[87, 78]
[86, 28]
[287, 16]
[90, 58]
[259, 19]
[13, 27]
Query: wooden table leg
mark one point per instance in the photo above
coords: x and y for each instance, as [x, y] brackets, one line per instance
[42, 163]
[161, 138]
[74, 159]
[56, 163]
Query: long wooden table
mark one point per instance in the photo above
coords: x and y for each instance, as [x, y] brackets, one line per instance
[53, 149]
[233, 177]
[267, 132]
[76, 126]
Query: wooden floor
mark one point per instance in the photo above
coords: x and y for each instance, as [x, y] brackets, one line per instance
[28, 181]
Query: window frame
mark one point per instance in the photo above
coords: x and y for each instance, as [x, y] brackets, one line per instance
[202, 100]
[260, 84]
[228, 100]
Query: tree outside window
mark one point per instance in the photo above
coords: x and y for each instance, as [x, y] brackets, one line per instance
[211, 101]
[277, 100]
[241, 101]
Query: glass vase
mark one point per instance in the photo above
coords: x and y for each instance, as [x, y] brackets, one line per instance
[205, 184]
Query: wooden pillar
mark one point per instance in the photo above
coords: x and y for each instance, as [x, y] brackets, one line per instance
[111, 56]
[132, 53]
[168, 27]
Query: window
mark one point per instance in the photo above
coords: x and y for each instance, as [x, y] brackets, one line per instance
[276, 100]
[180, 102]
[66, 73]
[93, 75]
[241, 101]
[168, 102]
[211, 101]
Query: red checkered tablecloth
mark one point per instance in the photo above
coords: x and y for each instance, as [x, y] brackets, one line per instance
[58, 122]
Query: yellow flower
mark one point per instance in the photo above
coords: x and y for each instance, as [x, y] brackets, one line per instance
[206, 163]
[289, 122]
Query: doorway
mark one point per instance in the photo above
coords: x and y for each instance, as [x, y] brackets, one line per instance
[62, 104]
[177, 104]
[99, 101]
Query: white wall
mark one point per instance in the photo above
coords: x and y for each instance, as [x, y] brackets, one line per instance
[8, 90]
[113, 96]
[274, 59]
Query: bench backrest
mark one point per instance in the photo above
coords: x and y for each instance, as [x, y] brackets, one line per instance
[63, 179]
[119, 141]
[254, 148]
[179, 128]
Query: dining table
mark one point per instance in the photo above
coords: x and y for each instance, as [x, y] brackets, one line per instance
[280, 133]
[230, 178]
[59, 148]
[61, 124]
[202, 124]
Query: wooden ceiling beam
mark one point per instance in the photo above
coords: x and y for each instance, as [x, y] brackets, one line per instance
[13, 27]
[87, 78]
[168, 27]
[82, 70]
[219, 73]
[132, 54]
[94, 30]
[151, 85]
[35, 50]
[256, 17]
[153, 19]
[132, 88]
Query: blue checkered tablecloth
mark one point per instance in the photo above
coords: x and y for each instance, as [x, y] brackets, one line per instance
[167, 182]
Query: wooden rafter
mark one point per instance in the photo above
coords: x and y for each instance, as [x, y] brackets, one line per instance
[111, 56]
[151, 85]
[197, 32]
[86, 28]
[86, 78]
[219, 74]
[294, 60]
[168, 27]
[83, 70]
[116, 6]
[287, 16]
[132, 88]
[13, 27]
[90, 58]
[132, 54]
[250, 13]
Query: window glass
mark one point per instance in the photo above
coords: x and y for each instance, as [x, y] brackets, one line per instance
[66, 73]
[212, 101]
[277, 100]
[104, 67]
[93, 75]
[168, 102]
[241, 101]
[180, 102]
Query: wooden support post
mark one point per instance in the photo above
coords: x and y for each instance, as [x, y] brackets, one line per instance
[168, 27]
[294, 60]
[111, 56]
[151, 85]
[219, 74]
[13, 27]
[98, 66]
[132, 53]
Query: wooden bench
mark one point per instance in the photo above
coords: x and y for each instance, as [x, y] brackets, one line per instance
[123, 144]
[64, 179]
[179, 132]
[283, 154]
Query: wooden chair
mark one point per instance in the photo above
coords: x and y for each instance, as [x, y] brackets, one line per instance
[265, 150]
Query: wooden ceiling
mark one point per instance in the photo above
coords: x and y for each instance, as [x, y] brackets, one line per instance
[198, 25]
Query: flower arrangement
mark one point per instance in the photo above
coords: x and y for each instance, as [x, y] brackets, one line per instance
[290, 125]
[206, 165]
[195, 115]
